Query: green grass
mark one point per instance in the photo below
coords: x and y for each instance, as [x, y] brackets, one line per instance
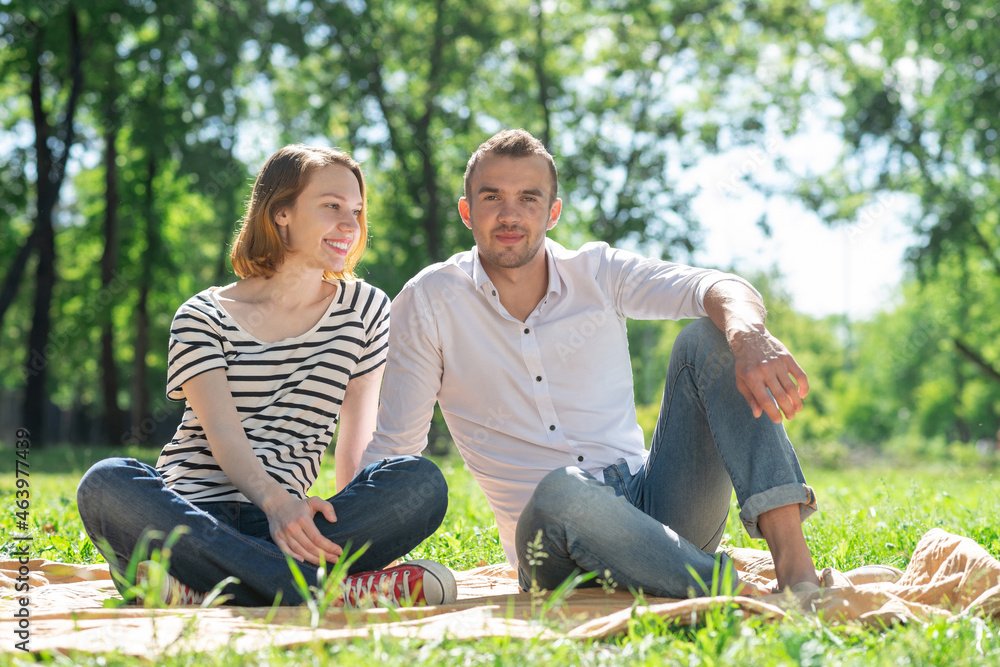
[871, 514]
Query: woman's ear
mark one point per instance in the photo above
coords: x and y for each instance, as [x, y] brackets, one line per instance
[281, 218]
[281, 223]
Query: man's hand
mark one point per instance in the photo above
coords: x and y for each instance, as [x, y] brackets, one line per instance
[294, 531]
[764, 365]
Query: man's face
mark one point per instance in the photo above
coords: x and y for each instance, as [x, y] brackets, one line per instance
[508, 210]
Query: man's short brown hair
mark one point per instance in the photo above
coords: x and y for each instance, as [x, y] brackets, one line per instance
[515, 144]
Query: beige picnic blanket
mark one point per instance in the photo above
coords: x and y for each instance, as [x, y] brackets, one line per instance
[948, 576]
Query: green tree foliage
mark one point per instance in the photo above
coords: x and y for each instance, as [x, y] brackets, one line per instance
[626, 94]
[911, 378]
[920, 87]
[921, 96]
[158, 100]
[48, 58]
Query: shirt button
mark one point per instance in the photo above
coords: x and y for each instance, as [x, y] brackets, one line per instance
[527, 330]
[579, 458]
[552, 427]
[494, 292]
[538, 378]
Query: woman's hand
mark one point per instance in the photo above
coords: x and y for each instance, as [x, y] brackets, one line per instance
[290, 519]
[294, 530]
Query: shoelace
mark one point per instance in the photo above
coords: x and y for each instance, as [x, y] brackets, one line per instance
[184, 594]
[361, 587]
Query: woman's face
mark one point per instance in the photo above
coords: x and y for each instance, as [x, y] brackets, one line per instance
[322, 225]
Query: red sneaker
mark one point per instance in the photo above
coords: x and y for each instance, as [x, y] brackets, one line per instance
[416, 582]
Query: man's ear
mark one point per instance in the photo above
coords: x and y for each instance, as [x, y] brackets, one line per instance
[554, 214]
[465, 212]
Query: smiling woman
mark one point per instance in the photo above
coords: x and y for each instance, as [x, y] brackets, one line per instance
[268, 367]
[321, 177]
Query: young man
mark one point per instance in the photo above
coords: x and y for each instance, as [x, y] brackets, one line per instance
[523, 344]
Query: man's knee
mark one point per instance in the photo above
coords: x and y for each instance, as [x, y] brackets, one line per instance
[564, 499]
[703, 346]
[561, 494]
[699, 333]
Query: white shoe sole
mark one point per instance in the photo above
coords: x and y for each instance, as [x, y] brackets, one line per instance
[438, 581]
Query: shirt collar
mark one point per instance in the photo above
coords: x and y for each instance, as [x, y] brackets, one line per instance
[555, 280]
[479, 277]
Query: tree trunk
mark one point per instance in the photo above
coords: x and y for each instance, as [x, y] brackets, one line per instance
[541, 77]
[51, 173]
[428, 183]
[140, 393]
[12, 281]
[109, 262]
[36, 392]
[140, 388]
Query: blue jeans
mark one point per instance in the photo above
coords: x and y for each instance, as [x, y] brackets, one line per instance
[391, 506]
[656, 529]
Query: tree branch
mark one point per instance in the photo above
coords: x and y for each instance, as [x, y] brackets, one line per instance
[974, 357]
[12, 281]
[68, 133]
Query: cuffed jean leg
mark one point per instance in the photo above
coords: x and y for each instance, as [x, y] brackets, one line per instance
[664, 524]
[707, 442]
[581, 525]
[121, 500]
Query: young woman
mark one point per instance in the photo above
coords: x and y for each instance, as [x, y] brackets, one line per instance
[268, 367]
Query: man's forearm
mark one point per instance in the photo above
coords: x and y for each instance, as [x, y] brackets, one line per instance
[766, 372]
[736, 309]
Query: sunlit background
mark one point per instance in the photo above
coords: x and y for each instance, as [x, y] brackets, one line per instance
[842, 155]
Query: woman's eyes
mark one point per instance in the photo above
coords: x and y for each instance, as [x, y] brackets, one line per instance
[336, 207]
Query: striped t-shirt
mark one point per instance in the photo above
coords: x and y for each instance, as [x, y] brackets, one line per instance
[288, 393]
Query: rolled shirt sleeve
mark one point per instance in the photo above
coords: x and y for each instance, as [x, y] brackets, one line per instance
[651, 289]
[196, 346]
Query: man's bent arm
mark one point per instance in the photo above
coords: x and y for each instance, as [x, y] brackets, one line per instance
[764, 367]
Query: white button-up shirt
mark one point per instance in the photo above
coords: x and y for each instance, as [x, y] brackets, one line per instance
[524, 398]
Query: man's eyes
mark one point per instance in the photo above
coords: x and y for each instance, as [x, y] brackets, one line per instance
[526, 198]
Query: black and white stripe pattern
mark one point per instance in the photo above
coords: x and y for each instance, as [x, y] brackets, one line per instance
[288, 393]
